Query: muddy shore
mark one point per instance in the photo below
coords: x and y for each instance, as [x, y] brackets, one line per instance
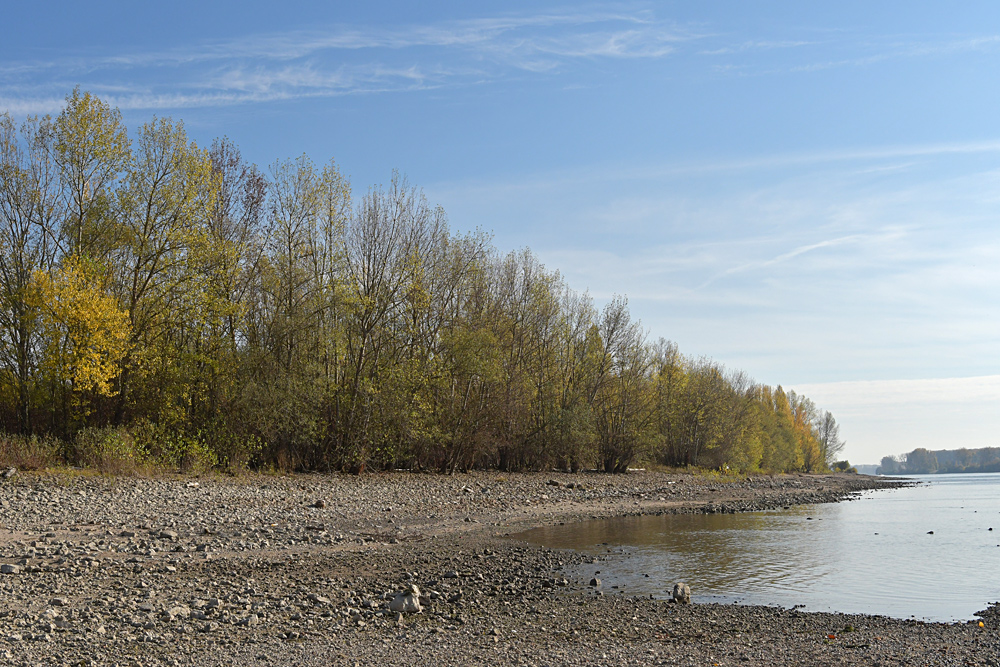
[300, 570]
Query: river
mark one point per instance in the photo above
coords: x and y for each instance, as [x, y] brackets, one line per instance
[924, 552]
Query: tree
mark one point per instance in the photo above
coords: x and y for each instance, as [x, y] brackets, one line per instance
[921, 462]
[185, 295]
[85, 335]
[164, 204]
[828, 434]
[29, 208]
[92, 149]
[623, 395]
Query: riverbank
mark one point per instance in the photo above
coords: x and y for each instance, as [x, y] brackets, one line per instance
[299, 570]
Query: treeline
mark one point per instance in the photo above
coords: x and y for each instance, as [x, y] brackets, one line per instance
[927, 462]
[160, 301]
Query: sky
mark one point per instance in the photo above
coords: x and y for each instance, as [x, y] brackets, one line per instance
[807, 192]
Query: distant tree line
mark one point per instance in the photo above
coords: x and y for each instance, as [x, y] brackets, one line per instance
[926, 462]
[160, 301]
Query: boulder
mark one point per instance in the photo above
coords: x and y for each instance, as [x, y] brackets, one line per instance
[406, 602]
[681, 593]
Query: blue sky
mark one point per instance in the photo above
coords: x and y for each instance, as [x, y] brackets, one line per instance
[808, 193]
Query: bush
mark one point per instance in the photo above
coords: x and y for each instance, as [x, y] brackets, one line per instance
[172, 448]
[233, 450]
[110, 450]
[844, 466]
[28, 452]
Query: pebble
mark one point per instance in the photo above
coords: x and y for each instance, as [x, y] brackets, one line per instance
[302, 587]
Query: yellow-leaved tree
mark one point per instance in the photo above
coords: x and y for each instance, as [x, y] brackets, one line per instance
[85, 334]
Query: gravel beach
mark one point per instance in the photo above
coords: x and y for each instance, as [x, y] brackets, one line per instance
[307, 569]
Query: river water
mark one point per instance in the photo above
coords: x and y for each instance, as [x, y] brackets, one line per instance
[874, 555]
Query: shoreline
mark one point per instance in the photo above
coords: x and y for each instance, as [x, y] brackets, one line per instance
[298, 570]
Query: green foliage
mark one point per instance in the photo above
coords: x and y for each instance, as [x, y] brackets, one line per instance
[170, 307]
[167, 447]
[844, 466]
[110, 450]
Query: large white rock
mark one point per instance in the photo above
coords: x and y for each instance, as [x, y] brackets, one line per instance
[682, 593]
[406, 602]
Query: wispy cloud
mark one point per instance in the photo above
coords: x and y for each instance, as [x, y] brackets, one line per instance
[342, 60]
[786, 256]
[756, 45]
[346, 59]
[848, 51]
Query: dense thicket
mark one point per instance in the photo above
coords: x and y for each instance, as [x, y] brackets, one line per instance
[925, 462]
[174, 302]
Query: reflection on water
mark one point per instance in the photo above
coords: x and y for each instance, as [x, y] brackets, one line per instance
[871, 556]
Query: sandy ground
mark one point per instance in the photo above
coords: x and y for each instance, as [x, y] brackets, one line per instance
[302, 570]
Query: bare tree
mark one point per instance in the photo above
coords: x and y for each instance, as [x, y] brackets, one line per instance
[828, 433]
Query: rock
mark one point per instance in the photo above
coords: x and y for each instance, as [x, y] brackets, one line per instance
[168, 535]
[553, 482]
[59, 602]
[595, 582]
[9, 569]
[10, 472]
[407, 602]
[681, 593]
[319, 504]
[180, 611]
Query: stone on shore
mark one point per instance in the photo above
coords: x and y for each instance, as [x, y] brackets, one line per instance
[681, 593]
[406, 602]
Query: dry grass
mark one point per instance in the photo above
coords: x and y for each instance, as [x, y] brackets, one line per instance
[28, 452]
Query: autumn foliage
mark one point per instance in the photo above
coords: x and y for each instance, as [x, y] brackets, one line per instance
[160, 302]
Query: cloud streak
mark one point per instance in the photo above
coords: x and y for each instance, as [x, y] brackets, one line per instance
[343, 60]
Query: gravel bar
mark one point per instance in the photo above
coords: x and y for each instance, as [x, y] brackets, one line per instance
[329, 570]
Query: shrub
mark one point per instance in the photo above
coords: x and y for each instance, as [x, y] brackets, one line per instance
[233, 449]
[172, 448]
[28, 452]
[110, 450]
